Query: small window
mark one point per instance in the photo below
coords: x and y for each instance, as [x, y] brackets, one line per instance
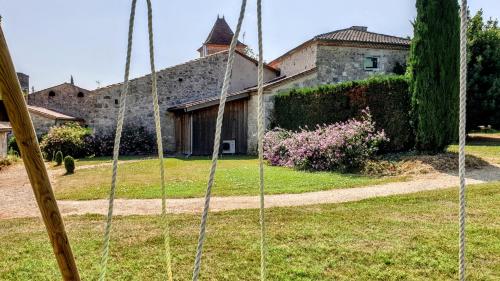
[371, 63]
[80, 95]
[52, 94]
[116, 101]
[180, 79]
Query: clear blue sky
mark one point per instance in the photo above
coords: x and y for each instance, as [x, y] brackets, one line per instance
[50, 40]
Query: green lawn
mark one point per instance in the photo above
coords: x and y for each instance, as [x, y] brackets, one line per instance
[489, 151]
[410, 237]
[188, 177]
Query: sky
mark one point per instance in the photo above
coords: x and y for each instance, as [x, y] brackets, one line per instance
[52, 40]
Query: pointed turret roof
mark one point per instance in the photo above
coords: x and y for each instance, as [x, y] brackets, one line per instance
[221, 33]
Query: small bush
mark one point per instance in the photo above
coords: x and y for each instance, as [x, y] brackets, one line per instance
[135, 141]
[387, 96]
[342, 146]
[12, 145]
[69, 139]
[69, 164]
[58, 158]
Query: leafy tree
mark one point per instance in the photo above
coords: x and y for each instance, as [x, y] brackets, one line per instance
[483, 83]
[434, 70]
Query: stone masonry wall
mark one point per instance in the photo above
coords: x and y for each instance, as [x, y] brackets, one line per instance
[42, 124]
[298, 61]
[194, 80]
[337, 64]
[65, 100]
[305, 81]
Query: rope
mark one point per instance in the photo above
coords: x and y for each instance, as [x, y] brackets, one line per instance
[116, 149]
[215, 154]
[462, 133]
[159, 142]
[261, 127]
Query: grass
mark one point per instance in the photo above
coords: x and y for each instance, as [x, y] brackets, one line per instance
[488, 150]
[187, 178]
[410, 237]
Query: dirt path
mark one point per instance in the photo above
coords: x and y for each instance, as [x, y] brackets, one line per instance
[17, 200]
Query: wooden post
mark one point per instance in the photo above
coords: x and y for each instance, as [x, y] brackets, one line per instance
[20, 120]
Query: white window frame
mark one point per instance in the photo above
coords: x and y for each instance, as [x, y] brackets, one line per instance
[371, 68]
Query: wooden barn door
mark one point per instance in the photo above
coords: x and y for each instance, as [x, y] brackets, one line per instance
[234, 127]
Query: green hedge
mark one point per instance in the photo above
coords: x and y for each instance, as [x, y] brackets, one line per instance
[387, 97]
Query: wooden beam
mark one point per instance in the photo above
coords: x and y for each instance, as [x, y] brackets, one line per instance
[22, 126]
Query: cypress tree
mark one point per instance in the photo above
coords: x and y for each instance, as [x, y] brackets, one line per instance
[434, 70]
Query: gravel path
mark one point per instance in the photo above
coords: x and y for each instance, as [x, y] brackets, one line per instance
[16, 198]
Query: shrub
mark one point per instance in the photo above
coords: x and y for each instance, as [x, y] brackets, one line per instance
[387, 96]
[12, 145]
[69, 164]
[58, 158]
[341, 146]
[135, 141]
[69, 139]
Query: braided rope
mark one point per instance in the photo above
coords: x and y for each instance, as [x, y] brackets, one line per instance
[215, 154]
[261, 127]
[116, 149]
[154, 92]
[462, 133]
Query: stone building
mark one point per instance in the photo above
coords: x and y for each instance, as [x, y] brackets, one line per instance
[5, 130]
[189, 92]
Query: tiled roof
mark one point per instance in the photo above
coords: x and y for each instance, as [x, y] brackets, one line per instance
[360, 34]
[5, 127]
[221, 33]
[50, 113]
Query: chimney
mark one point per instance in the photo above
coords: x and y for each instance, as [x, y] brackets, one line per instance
[360, 28]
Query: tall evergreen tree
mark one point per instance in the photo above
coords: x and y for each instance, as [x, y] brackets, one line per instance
[434, 69]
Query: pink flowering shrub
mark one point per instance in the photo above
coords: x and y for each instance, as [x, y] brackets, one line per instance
[341, 146]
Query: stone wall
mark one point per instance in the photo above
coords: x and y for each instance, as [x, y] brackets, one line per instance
[66, 98]
[339, 63]
[42, 124]
[297, 61]
[3, 144]
[191, 81]
[299, 82]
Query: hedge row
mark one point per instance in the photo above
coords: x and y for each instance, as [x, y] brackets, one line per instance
[387, 97]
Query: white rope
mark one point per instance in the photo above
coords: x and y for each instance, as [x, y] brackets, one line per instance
[116, 149]
[159, 142]
[261, 128]
[215, 154]
[462, 133]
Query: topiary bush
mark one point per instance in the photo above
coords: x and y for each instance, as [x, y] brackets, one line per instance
[69, 164]
[343, 146]
[70, 138]
[388, 98]
[58, 158]
[136, 140]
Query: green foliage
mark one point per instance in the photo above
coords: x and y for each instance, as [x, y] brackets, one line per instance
[434, 71]
[69, 139]
[135, 140]
[483, 83]
[12, 145]
[69, 164]
[58, 158]
[386, 96]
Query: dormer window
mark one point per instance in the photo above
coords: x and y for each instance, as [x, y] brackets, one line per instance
[371, 63]
[80, 95]
[52, 94]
